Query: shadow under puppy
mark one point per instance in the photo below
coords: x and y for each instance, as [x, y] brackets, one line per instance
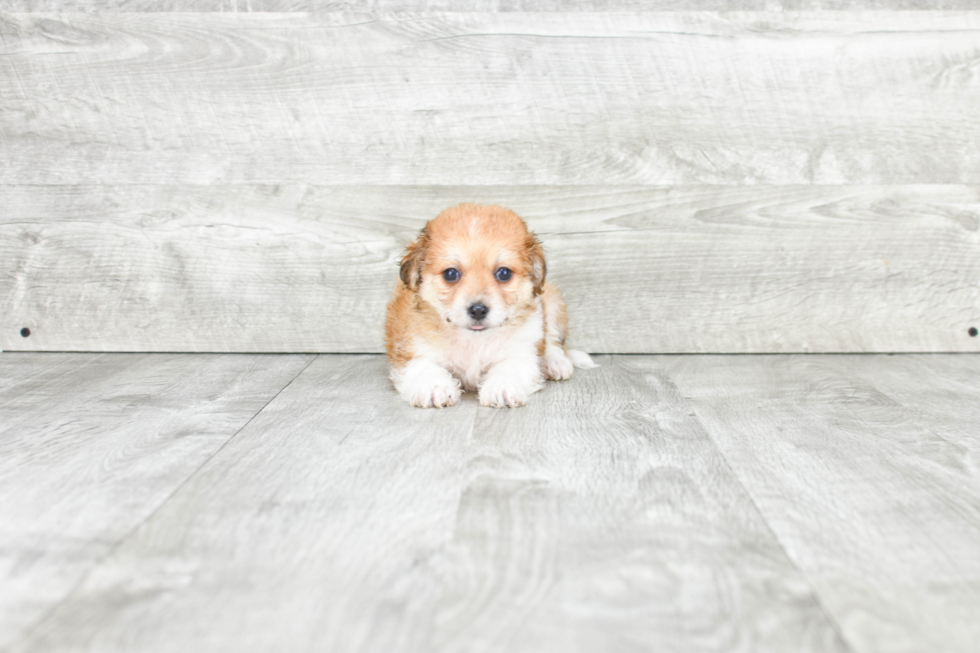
[473, 312]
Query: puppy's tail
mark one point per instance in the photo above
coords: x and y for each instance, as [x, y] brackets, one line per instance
[581, 360]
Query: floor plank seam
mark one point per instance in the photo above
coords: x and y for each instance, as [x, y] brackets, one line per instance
[831, 619]
[29, 633]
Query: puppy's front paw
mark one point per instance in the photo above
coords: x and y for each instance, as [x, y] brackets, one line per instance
[500, 394]
[436, 395]
[510, 386]
[426, 385]
[556, 365]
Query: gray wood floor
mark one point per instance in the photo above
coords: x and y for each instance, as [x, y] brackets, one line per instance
[155, 502]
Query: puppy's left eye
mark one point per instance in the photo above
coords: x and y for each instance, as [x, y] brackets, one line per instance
[503, 274]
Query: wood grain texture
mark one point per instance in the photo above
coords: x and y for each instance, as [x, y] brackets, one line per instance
[941, 392]
[91, 445]
[874, 501]
[310, 268]
[490, 98]
[598, 518]
[480, 5]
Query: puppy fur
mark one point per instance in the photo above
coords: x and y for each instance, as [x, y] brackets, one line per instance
[474, 313]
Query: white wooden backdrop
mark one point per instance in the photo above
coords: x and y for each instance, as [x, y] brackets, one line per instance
[769, 180]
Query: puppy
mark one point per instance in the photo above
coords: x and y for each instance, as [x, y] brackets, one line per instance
[473, 312]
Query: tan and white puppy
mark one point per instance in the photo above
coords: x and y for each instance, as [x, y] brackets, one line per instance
[473, 312]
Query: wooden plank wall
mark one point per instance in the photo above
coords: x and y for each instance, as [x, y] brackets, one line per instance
[189, 176]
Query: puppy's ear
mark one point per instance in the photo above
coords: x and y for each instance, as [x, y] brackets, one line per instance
[414, 259]
[535, 254]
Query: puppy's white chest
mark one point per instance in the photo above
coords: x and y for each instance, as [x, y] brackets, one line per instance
[471, 355]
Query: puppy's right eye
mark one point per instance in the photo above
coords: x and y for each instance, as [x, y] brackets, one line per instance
[451, 275]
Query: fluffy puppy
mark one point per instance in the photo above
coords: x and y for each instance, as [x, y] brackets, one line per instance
[473, 312]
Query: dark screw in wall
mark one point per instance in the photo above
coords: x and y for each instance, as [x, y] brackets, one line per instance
[25, 332]
[972, 332]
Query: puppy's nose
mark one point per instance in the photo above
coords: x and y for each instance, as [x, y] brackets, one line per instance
[478, 311]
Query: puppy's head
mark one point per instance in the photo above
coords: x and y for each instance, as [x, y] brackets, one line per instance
[478, 266]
